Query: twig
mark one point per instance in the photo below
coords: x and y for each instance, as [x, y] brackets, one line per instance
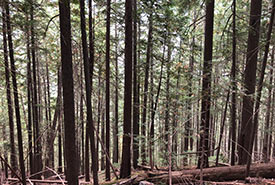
[56, 174]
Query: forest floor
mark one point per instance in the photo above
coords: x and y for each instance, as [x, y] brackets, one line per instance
[262, 173]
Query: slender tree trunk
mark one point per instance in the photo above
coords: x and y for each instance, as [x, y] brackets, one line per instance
[90, 123]
[175, 122]
[38, 148]
[206, 85]
[153, 113]
[13, 158]
[135, 94]
[68, 93]
[268, 122]
[107, 171]
[30, 111]
[5, 166]
[115, 133]
[234, 88]
[103, 139]
[271, 105]
[222, 128]
[167, 126]
[15, 95]
[59, 144]
[145, 97]
[125, 170]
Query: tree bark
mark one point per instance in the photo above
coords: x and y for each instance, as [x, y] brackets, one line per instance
[15, 95]
[234, 87]
[37, 140]
[237, 172]
[135, 93]
[244, 142]
[125, 170]
[107, 170]
[90, 123]
[206, 85]
[271, 105]
[13, 158]
[68, 93]
[145, 96]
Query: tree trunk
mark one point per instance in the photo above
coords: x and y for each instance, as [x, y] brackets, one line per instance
[125, 170]
[218, 173]
[145, 96]
[90, 126]
[271, 105]
[15, 94]
[38, 148]
[107, 170]
[13, 155]
[153, 113]
[115, 132]
[68, 93]
[59, 169]
[135, 94]
[244, 142]
[234, 88]
[206, 85]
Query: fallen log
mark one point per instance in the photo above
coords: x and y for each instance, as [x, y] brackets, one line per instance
[265, 170]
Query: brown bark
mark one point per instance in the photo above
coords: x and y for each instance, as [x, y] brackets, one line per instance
[125, 170]
[15, 95]
[206, 85]
[260, 86]
[115, 132]
[13, 158]
[153, 113]
[37, 143]
[135, 93]
[271, 105]
[244, 141]
[234, 88]
[145, 96]
[222, 128]
[90, 124]
[68, 93]
[107, 170]
[218, 173]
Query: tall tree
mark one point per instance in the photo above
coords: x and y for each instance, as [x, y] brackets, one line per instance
[13, 158]
[68, 93]
[260, 87]
[135, 93]
[107, 170]
[249, 82]
[90, 124]
[115, 133]
[145, 96]
[15, 94]
[234, 87]
[206, 85]
[38, 147]
[29, 77]
[125, 169]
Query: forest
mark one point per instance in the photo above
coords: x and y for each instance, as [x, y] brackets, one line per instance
[137, 92]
